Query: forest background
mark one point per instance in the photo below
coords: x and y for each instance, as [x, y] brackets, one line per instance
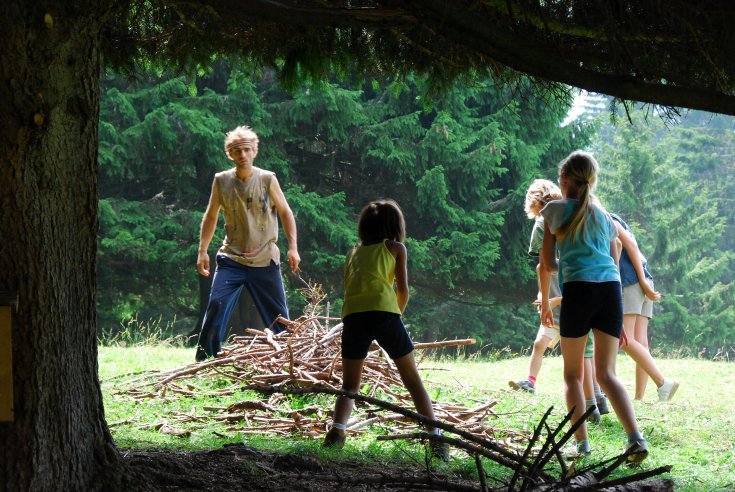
[458, 163]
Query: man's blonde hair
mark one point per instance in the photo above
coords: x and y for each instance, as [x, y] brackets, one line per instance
[539, 193]
[241, 135]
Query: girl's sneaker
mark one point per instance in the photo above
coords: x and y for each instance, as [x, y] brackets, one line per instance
[594, 417]
[440, 450]
[638, 450]
[666, 391]
[602, 405]
[335, 438]
[576, 450]
[524, 385]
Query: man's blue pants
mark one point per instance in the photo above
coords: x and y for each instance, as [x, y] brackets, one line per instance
[265, 286]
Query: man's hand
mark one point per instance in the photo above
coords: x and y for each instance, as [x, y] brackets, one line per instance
[203, 264]
[293, 260]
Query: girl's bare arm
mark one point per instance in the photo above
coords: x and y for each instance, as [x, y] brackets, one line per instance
[398, 250]
[636, 258]
[548, 264]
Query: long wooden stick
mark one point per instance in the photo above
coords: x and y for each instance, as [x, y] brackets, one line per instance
[444, 343]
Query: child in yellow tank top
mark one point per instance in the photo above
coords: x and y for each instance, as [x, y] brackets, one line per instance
[372, 311]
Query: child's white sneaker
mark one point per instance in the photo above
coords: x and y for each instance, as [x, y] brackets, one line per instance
[667, 390]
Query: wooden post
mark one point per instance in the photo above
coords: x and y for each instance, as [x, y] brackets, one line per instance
[6, 361]
[6, 366]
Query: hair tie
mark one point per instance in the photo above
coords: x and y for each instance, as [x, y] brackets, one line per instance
[242, 142]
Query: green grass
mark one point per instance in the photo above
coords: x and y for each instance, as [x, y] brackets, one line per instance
[695, 432]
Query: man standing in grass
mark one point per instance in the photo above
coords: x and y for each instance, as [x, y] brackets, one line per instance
[250, 197]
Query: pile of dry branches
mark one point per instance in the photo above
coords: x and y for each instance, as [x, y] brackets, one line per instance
[306, 355]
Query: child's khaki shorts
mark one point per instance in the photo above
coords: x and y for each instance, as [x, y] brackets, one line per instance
[554, 336]
[635, 300]
[551, 332]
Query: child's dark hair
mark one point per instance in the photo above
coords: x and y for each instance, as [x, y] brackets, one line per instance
[379, 220]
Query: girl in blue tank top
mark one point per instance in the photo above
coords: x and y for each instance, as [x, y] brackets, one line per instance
[585, 236]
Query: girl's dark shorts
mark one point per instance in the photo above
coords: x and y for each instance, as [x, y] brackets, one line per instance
[360, 329]
[587, 305]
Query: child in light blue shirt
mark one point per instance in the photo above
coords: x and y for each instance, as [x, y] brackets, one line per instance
[585, 236]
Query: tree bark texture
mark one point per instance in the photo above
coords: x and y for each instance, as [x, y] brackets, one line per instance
[49, 72]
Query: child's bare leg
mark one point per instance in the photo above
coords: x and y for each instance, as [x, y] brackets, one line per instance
[406, 366]
[539, 349]
[588, 382]
[641, 376]
[351, 377]
[638, 352]
[572, 351]
[588, 385]
[606, 350]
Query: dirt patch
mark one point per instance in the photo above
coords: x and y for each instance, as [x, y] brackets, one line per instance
[238, 468]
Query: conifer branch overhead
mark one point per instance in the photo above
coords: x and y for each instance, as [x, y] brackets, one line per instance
[675, 54]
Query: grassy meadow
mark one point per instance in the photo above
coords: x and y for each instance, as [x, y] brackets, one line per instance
[695, 432]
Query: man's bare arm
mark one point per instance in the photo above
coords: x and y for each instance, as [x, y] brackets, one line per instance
[206, 231]
[289, 223]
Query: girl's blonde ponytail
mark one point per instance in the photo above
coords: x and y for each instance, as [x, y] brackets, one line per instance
[581, 169]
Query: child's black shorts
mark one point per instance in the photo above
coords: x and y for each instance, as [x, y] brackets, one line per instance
[360, 329]
[587, 305]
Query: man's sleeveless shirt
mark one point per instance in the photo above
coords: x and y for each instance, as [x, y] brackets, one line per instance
[368, 279]
[251, 221]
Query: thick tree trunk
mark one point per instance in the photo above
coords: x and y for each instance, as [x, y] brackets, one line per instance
[49, 71]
